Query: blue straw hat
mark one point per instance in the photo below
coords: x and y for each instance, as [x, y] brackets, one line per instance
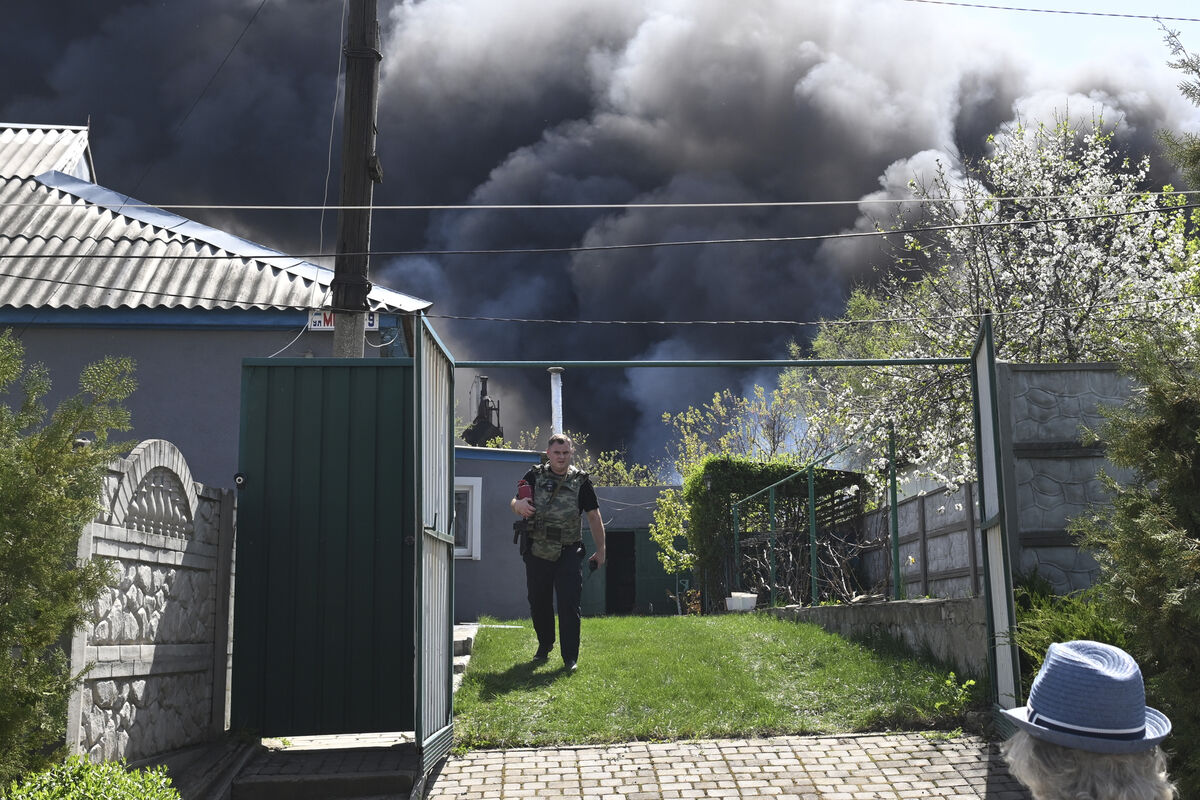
[1090, 696]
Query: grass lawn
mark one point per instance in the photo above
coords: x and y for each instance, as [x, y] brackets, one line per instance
[662, 678]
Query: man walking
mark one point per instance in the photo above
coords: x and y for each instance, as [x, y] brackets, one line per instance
[554, 559]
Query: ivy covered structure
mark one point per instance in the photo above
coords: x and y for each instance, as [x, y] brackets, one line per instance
[767, 545]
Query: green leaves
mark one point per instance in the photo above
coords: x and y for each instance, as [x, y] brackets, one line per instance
[1148, 541]
[79, 779]
[49, 490]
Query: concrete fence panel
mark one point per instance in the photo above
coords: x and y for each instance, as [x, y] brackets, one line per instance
[156, 644]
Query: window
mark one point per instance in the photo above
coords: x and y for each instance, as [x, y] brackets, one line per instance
[467, 534]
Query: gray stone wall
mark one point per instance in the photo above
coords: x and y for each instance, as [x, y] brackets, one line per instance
[954, 631]
[156, 645]
[1050, 474]
[1049, 477]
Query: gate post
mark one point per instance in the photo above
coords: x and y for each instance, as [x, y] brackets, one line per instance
[772, 507]
[894, 513]
[1001, 617]
[812, 532]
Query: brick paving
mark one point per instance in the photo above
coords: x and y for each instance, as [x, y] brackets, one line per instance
[858, 767]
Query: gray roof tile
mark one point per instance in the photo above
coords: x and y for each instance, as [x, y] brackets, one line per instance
[66, 242]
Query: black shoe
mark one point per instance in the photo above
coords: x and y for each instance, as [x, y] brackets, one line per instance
[541, 655]
[570, 666]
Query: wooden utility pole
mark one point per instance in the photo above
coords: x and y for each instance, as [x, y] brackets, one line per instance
[360, 171]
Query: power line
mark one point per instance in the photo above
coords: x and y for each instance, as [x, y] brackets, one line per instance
[178, 127]
[619, 206]
[337, 83]
[1045, 310]
[217, 71]
[1152, 17]
[166, 296]
[817, 237]
[800, 323]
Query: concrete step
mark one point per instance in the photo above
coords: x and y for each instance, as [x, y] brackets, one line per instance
[464, 638]
[460, 664]
[330, 772]
[206, 772]
[341, 786]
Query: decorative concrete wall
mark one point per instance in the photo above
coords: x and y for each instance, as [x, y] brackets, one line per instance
[1049, 473]
[1049, 477]
[953, 631]
[157, 641]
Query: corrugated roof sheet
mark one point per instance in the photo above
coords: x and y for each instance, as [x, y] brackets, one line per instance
[28, 150]
[68, 243]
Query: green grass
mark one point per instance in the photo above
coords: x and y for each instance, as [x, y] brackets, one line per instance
[664, 678]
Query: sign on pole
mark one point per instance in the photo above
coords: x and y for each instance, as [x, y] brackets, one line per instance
[322, 320]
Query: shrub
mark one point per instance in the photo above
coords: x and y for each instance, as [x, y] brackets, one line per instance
[49, 489]
[1148, 540]
[80, 779]
[1044, 618]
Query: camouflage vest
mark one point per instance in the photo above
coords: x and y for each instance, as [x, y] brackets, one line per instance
[556, 521]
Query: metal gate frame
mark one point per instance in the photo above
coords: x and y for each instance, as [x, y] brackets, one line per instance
[1003, 664]
[433, 604]
[425, 641]
[1002, 650]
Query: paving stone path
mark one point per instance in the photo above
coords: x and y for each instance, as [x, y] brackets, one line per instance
[905, 765]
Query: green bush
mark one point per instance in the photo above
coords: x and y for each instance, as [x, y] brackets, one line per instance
[704, 503]
[1044, 618]
[49, 490]
[1148, 540]
[80, 779]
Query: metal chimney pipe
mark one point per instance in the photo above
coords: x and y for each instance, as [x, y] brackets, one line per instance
[556, 420]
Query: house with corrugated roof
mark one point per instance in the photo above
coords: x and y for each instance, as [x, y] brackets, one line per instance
[87, 272]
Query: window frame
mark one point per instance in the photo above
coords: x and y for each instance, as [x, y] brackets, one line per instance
[474, 488]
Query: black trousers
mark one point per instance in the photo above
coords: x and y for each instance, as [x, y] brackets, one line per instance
[564, 578]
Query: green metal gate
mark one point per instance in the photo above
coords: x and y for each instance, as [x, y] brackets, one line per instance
[323, 622]
[344, 600]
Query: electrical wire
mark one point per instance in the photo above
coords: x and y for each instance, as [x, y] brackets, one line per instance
[610, 501]
[178, 126]
[166, 295]
[1152, 17]
[629, 205]
[337, 83]
[818, 237]
[382, 345]
[799, 323]
[836, 322]
[217, 71]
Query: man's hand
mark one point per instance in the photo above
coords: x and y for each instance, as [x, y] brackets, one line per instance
[523, 507]
[598, 557]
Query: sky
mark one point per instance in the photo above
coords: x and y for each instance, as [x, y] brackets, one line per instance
[563, 102]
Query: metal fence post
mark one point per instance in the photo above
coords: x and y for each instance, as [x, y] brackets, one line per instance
[812, 530]
[772, 507]
[895, 514]
[737, 551]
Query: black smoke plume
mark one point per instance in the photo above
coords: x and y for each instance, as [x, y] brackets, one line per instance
[562, 102]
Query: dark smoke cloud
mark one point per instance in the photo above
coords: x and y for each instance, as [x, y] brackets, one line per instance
[556, 101]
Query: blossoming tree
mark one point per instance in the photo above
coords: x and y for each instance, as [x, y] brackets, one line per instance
[1056, 234]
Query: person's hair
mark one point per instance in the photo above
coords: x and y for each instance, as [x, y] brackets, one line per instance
[560, 438]
[1053, 772]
